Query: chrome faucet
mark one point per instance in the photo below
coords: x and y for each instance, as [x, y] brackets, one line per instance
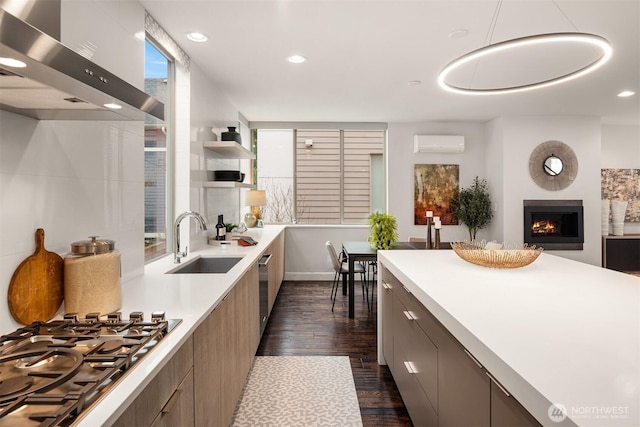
[177, 255]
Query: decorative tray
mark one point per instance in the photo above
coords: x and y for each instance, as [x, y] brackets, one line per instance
[496, 255]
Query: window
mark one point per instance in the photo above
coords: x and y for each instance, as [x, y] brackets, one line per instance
[158, 82]
[274, 172]
[338, 179]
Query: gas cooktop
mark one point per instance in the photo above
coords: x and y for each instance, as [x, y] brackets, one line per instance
[51, 372]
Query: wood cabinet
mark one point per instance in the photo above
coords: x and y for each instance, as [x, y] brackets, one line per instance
[621, 253]
[178, 411]
[415, 361]
[386, 305]
[224, 347]
[202, 383]
[276, 268]
[441, 383]
[462, 384]
[506, 411]
[168, 399]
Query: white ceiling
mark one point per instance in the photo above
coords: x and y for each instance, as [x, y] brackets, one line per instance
[362, 54]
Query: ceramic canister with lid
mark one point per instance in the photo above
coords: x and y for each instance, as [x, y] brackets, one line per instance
[92, 277]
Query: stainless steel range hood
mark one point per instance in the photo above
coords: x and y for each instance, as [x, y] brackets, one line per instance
[59, 84]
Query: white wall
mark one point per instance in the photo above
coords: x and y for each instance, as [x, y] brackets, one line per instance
[306, 256]
[210, 109]
[498, 151]
[520, 136]
[103, 30]
[401, 161]
[621, 150]
[75, 179]
[620, 147]
[494, 158]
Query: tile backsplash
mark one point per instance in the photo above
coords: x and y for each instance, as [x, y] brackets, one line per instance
[74, 179]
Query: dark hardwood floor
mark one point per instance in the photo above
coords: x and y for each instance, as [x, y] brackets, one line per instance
[302, 323]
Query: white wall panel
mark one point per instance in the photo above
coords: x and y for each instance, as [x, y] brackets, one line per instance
[520, 137]
[401, 161]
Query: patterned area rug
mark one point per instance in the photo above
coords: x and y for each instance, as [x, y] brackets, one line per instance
[299, 391]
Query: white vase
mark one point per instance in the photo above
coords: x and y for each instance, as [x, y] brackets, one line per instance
[618, 210]
[604, 217]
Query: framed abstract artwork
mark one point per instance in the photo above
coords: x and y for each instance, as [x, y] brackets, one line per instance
[436, 186]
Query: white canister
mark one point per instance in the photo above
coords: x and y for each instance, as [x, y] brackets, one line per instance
[92, 277]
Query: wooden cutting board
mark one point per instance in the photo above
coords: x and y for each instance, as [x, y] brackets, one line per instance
[36, 289]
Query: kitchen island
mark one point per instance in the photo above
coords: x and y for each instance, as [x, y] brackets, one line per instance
[554, 332]
[189, 297]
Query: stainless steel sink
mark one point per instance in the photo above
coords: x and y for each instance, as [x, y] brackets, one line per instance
[207, 265]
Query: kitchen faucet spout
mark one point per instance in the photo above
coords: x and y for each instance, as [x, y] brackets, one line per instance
[177, 254]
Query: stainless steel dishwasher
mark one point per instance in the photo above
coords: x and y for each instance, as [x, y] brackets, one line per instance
[263, 277]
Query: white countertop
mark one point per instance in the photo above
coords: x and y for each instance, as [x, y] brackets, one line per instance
[190, 297]
[556, 331]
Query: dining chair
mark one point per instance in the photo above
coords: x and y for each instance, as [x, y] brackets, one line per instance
[372, 280]
[341, 267]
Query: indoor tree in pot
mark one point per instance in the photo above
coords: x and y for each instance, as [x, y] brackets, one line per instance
[473, 206]
[384, 230]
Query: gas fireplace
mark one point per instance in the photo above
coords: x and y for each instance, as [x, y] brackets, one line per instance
[554, 224]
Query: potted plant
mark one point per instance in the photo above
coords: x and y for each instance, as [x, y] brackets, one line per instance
[384, 230]
[229, 230]
[473, 206]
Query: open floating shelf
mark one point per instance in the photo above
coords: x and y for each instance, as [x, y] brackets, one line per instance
[228, 150]
[227, 184]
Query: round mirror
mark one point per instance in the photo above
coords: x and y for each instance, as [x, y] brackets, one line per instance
[553, 165]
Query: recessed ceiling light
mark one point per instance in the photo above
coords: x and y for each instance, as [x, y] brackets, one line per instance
[626, 93]
[414, 82]
[296, 59]
[197, 37]
[456, 34]
[113, 106]
[12, 62]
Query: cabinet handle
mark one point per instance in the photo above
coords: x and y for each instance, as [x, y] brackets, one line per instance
[386, 285]
[504, 390]
[172, 401]
[473, 358]
[410, 368]
[264, 260]
[406, 290]
[409, 315]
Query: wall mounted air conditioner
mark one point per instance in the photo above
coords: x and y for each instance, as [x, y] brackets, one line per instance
[438, 143]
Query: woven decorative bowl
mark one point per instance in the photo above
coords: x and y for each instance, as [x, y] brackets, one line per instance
[496, 255]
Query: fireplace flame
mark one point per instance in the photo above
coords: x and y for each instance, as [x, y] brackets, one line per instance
[543, 227]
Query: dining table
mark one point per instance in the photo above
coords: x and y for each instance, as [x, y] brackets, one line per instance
[361, 251]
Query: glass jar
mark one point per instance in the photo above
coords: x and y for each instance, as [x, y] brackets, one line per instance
[92, 277]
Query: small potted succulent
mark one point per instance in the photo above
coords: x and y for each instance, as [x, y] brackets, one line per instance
[384, 230]
[230, 227]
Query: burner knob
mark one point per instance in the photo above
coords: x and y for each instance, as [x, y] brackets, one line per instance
[136, 316]
[157, 316]
[71, 317]
[114, 317]
[92, 317]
